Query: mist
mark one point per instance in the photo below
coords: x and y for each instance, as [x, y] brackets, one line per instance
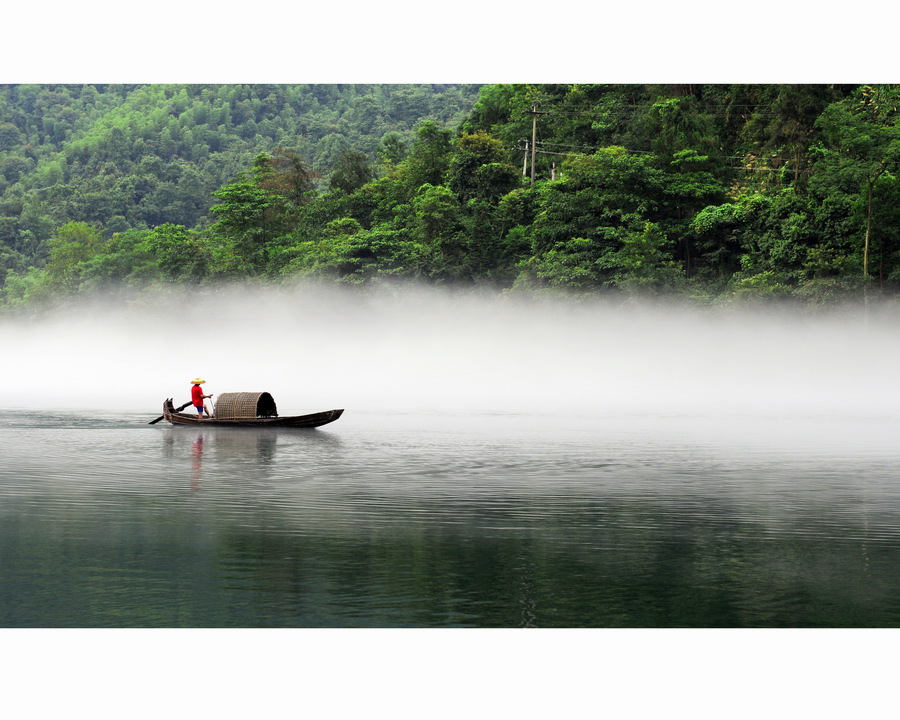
[425, 349]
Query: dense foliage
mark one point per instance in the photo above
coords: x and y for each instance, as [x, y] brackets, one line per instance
[136, 157]
[703, 191]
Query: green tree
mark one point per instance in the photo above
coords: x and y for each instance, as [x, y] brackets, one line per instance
[438, 224]
[783, 127]
[862, 133]
[643, 265]
[27, 289]
[350, 254]
[10, 136]
[73, 244]
[179, 253]
[571, 265]
[284, 174]
[392, 150]
[351, 171]
[125, 260]
[479, 168]
[610, 189]
[260, 207]
[674, 124]
[429, 156]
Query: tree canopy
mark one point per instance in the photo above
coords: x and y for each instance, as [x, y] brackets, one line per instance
[726, 192]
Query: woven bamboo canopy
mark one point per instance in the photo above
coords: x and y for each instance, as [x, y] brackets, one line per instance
[234, 406]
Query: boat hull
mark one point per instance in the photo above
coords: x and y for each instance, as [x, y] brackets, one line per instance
[295, 421]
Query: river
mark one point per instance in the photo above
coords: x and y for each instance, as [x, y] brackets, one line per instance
[438, 520]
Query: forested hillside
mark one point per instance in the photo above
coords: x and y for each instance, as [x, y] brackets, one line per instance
[120, 157]
[712, 192]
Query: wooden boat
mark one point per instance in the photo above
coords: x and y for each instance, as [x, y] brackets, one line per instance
[248, 410]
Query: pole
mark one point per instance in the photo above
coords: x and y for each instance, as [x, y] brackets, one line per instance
[533, 139]
[525, 161]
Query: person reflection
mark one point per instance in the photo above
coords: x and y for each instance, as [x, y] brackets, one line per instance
[265, 447]
[197, 452]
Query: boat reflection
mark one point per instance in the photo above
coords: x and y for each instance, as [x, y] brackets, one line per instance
[230, 448]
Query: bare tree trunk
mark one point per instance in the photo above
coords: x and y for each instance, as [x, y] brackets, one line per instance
[687, 257]
[866, 251]
[868, 232]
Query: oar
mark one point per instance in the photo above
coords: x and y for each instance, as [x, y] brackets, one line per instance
[178, 409]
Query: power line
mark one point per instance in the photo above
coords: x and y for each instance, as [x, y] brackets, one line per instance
[647, 152]
[533, 147]
[601, 147]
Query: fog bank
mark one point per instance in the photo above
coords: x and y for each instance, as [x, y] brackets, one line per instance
[435, 350]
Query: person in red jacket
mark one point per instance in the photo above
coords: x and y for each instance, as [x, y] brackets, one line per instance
[197, 397]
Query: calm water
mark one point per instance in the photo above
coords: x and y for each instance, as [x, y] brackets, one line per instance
[450, 520]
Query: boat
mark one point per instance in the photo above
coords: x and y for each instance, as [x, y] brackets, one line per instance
[248, 409]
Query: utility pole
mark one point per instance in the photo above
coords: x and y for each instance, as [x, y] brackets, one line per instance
[534, 116]
[525, 160]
